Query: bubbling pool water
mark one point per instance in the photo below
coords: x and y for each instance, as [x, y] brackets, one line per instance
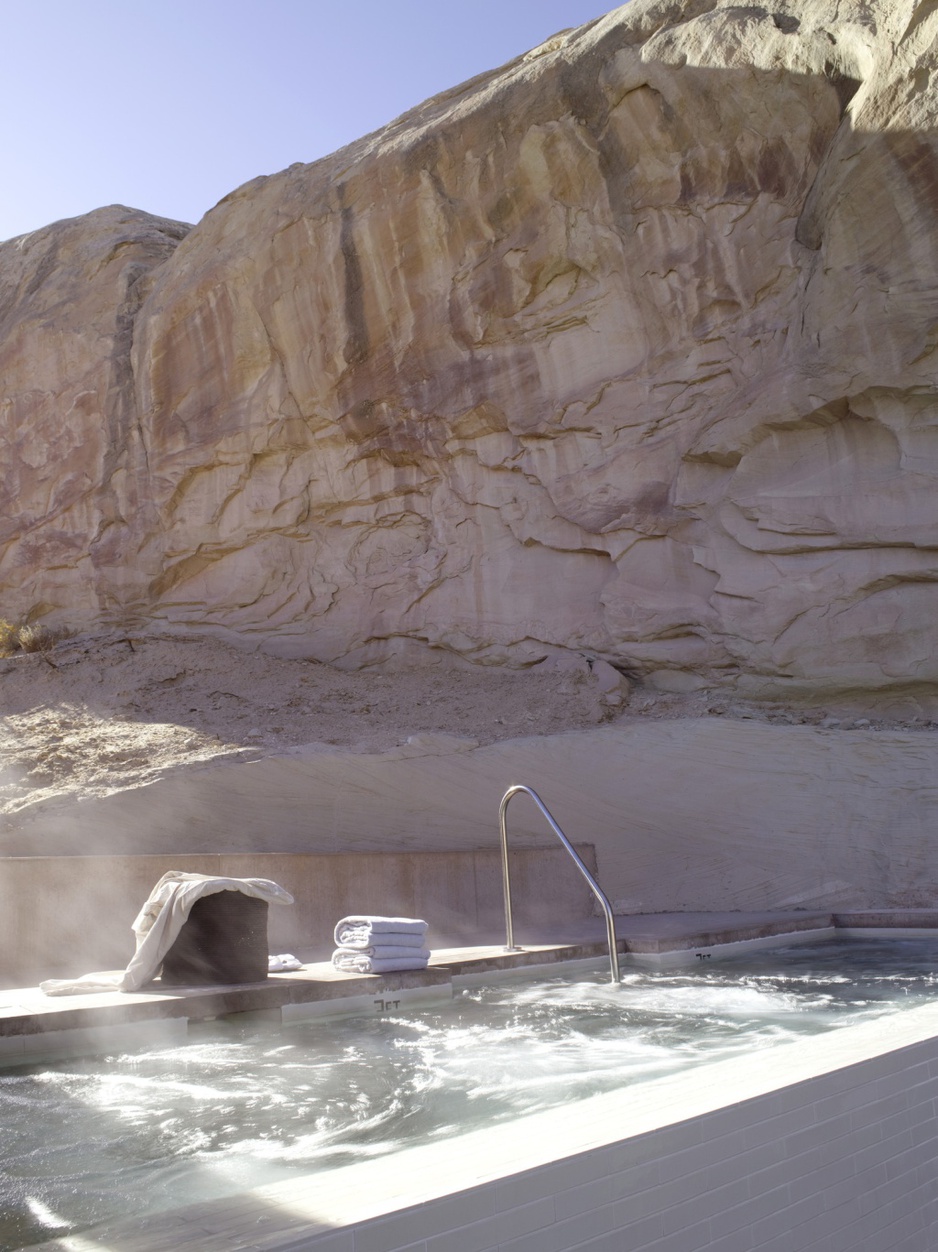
[235, 1108]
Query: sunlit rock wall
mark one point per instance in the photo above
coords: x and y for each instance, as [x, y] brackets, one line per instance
[74, 487]
[628, 347]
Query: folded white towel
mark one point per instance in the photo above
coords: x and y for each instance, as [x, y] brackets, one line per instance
[361, 938]
[349, 962]
[286, 960]
[387, 952]
[358, 931]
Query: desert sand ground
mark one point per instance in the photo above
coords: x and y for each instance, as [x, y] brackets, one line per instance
[100, 715]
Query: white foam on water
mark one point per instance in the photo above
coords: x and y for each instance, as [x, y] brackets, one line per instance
[44, 1215]
[238, 1108]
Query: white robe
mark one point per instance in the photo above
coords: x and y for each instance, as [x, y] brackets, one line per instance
[158, 924]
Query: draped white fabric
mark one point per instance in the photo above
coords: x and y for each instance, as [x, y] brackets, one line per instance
[157, 925]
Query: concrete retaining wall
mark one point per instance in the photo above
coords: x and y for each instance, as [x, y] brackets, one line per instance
[65, 916]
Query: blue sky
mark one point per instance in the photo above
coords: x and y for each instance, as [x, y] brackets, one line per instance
[168, 106]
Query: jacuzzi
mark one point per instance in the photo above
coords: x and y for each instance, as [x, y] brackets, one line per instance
[795, 1132]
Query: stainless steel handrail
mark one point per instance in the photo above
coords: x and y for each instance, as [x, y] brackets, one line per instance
[510, 945]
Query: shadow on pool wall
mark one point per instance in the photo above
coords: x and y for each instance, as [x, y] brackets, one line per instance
[687, 815]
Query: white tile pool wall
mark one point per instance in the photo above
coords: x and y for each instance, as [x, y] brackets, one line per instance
[739, 947]
[64, 1045]
[828, 1145]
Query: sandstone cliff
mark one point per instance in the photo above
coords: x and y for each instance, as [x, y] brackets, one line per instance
[628, 347]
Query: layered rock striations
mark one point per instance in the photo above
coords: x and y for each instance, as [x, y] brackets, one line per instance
[75, 489]
[627, 348]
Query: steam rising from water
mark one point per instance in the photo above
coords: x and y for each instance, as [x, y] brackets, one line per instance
[235, 1109]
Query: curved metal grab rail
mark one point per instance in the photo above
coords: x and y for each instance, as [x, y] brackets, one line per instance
[510, 945]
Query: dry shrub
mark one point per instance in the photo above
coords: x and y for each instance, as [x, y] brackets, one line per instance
[8, 640]
[26, 638]
[35, 639]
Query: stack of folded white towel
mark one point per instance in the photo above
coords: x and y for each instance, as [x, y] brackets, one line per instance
[378, 945]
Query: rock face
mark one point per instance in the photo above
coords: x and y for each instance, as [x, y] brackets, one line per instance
[74, 487]
[626, 348]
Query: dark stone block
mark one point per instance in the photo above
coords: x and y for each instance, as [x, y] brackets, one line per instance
[224, 940]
